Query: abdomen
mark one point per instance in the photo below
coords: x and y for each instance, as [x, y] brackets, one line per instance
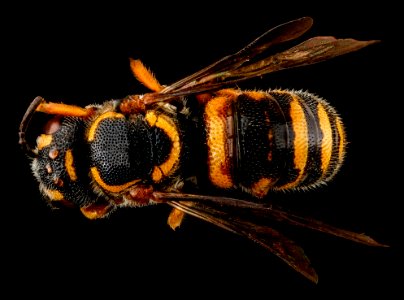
[258, 141]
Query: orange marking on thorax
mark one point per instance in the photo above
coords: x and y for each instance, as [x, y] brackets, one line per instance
[168, 126]
[94, 126]
[71, 171]
[110, 188]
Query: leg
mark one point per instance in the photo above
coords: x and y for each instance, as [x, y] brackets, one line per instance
[144, 75]
[134, 104]
[97, 210]
[175, 218]
[140, 195]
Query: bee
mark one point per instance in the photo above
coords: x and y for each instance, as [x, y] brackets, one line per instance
[202, 146]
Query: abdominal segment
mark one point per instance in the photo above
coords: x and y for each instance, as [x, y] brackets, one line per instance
[282, 140]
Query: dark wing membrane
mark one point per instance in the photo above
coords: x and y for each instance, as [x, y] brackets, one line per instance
[241, 65]
[311, 51]
[259, 211]
[279, 34]
[293, 219]
[251, 220]
[269, 238]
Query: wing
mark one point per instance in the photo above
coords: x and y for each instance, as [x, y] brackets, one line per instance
[269, 238]
[251, 61]
[250, 219]
[277, 35]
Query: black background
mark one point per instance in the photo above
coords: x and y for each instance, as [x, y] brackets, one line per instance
[79, 55]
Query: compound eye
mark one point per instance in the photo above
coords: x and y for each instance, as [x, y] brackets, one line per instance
[45, 139]
[52, 125]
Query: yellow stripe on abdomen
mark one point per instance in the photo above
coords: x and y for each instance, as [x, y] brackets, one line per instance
[342, 139]
[326, 142]
[300, 141]
[218, 152]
